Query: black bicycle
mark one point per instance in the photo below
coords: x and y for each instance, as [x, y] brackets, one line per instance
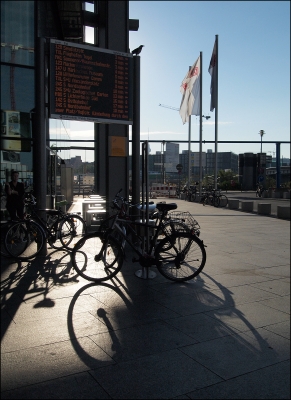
[26, 238]
[179, 255]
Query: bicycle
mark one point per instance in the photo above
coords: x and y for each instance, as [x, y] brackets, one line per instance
[26, 238]
[179, 256]
[210, 198]
[175, 220]
[214, 198]
[260, 190]
[193, 191]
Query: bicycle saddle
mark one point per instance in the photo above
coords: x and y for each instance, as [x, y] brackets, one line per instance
[166, 206]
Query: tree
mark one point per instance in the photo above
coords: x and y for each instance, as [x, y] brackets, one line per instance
[227, 180]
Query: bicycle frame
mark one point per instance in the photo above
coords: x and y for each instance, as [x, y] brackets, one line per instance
[47, 230]
[143, 253]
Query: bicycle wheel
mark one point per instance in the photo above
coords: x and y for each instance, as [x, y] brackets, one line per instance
[223, 200]
[4, 229]
[71, 229]
[97, 259]
[24, 240]
[208, 200]
[216, 201]
[54, 239]
[180, 257]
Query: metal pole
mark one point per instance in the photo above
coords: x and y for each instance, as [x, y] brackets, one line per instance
[278, 168]
[216, 115]
[136, 131]
[189, 152]
[200, 144]
[39, 133]
[163, 162]
[189, 146]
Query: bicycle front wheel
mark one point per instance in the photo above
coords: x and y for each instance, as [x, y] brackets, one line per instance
[180, 257]
[96, 258]
[71, 230]
[223, 200]
[24, 240]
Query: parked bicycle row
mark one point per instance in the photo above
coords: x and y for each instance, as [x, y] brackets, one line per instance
[209, 196]
[25, 238]
[167, 239]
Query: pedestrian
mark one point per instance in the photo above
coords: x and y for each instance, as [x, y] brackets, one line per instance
[15, 196]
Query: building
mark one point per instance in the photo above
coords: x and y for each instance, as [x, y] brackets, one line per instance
[39, 39]
[225, 161]
[159, 162]
[252, 170]
[271, 172]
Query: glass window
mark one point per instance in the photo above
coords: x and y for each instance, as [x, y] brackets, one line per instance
[17, 32]
[60, 129]
[17, 93]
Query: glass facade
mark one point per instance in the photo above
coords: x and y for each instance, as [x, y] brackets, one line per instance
[18, 36]
[17, 89]
[17, 32]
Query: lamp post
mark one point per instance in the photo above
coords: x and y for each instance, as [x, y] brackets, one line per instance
[262, 133]
[163, 170]
[200, 157]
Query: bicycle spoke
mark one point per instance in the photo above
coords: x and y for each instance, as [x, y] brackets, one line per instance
[184, 260]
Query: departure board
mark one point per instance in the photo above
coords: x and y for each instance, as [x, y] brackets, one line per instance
[89, 83]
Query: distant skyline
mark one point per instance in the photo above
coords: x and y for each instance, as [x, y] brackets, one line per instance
[253, 72]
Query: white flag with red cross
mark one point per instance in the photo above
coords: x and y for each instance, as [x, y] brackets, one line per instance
[190, 89]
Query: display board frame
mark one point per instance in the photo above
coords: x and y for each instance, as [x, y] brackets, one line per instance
[88, 83]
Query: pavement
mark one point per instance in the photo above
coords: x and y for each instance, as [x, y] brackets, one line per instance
[223, 335]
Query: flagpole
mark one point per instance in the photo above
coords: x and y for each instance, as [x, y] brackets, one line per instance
[189, 151]
[189, 146]
[200, 131]
[216, 114]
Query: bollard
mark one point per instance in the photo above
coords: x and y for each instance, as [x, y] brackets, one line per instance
[233, 204]
[283, 212]
[264, 208]
[247, 206]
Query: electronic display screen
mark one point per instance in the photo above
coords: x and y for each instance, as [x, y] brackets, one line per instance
[89, 83]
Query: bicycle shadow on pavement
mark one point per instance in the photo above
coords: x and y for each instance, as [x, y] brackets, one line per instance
[102, 322]
[31, 280]
[125, 334]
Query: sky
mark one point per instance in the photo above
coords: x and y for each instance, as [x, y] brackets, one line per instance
[253, 73]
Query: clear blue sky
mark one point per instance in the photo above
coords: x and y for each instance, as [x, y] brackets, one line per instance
[253, 70]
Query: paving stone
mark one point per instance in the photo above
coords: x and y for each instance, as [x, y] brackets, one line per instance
[26, 367]
[265, 383]
[159, 376]
[78, 386]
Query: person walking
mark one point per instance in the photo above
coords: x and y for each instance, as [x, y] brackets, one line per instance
[15, 193]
